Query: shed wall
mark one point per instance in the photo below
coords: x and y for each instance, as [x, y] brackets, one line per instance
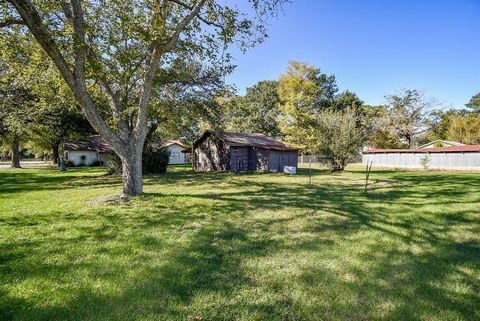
[467, 161]
[212, 155]
[277, 160]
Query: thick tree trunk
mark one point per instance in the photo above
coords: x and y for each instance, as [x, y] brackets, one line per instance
[16, 153]
[55, 154]
[132, 171]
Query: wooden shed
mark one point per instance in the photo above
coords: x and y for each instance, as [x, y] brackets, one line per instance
[237, 152]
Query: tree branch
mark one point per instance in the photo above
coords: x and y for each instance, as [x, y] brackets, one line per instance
[74, 79]
[189, 7]
[9, 21]
[152, 65]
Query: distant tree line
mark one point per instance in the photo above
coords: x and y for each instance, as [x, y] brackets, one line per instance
[304, 108]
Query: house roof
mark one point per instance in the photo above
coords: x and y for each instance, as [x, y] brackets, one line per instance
[247, 139]
[449, 149]
[95, 144]
[446, 142]
[167, 143]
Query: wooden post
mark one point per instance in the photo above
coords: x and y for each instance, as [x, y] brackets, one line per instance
[368, 169]
[192, 157]
[310, 170]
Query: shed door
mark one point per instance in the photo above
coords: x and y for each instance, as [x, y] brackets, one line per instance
[239, 159]
[283, 161]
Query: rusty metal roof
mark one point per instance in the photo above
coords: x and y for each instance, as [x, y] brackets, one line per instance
[449, 149]
[249, 139]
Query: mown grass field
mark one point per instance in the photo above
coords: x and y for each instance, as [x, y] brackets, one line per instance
[203, 246]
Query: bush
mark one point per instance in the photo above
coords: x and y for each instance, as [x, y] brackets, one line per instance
[68, 163]
[154, 161]
[114, 164]
[97, 163]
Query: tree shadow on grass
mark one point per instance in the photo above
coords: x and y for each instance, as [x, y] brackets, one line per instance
[184, 254]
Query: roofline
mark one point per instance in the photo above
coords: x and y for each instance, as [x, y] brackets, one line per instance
[433, 150]
[453, 143]
[270, 147]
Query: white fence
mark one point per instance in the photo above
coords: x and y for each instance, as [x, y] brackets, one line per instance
[466, 161]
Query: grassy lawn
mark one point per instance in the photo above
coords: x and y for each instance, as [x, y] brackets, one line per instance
[240, 247]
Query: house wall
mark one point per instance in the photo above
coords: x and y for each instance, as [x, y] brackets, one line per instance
[76, 155]
[277, 160]
[176, 155]
[212, 154]
[467, 161]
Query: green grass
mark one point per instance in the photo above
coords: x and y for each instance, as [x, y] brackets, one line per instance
[205, 246]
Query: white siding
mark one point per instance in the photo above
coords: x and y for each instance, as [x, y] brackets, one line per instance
[176, 155]
[465, 161]
[76, 157]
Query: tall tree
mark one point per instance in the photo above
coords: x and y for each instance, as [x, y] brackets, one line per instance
[474, 104]
[465, 129]
[257, 111]
[408, 110]
[376, 123]
[347, 99]
[15, 115]
[440, 121]
[337, 137]
[117, 48]
[303, 91]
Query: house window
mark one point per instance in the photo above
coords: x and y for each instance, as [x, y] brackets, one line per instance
[175, 155]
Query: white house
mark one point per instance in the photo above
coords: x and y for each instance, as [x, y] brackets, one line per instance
[175, 149]
[465, 157]
[86, 151]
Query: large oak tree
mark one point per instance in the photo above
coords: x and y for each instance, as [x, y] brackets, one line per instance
[117, 48]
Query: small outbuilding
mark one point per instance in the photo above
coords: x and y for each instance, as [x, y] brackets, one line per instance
[466, 157]
[237, 152]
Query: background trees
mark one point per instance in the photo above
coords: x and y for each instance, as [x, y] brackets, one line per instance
[257, 111]
[474, 104]
[408, 111]
[465, 129]
[337, 137]
[303, 91]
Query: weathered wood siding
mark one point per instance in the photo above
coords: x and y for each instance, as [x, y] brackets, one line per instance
[239, 158]
[258, 159]
[279, 159]
[212, 154]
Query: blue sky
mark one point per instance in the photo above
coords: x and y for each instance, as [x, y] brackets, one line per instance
[375, 47]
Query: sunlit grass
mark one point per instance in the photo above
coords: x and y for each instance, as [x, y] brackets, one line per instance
[220, 246]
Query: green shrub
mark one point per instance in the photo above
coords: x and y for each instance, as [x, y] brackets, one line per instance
[68, 163]
[154, 161]
[114, 164]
